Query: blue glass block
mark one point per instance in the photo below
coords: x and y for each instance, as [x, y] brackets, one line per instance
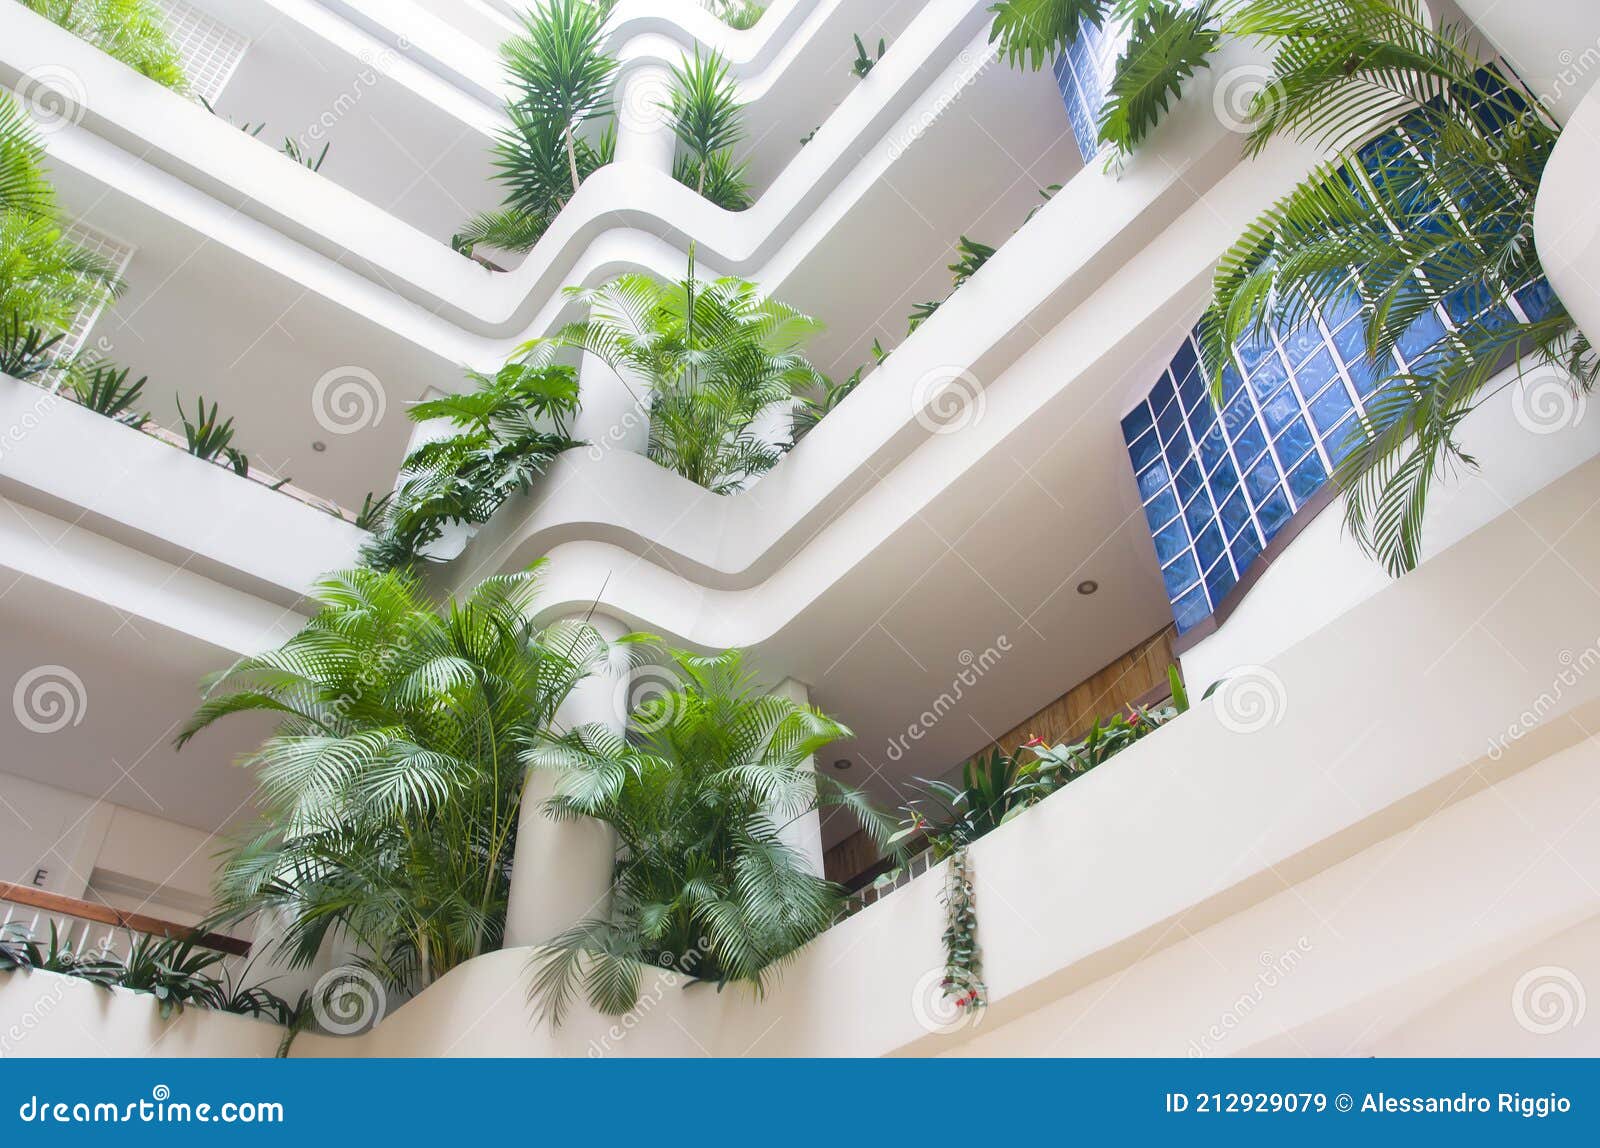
[1315, 373]
[1250, 443]
[1304, 340]
[1190, 610]
[1293, 443]
[1465, 302]
[1351, 340]
[1185, 360]
[1537, 299]
[1161, 509]
[1377, 154]
[1178, 451]
[1306, 479]
[1136, 422]
[1272, 514]
[1339, 442]
[1267, 376]
[1219, 580]
[1187, 481]
[1232, 380]
[1331, 406]
[1365, 376]
[1421, 335]
[1152, 482]
[1253, 349]
[1208, 547]
[1244, 550]
[1345, 305]
[1238, 415]
[1223, 479]
[1198, 513]
[1235, 514]
[1160, 395]
[1144, 451]
[1191, 389]
[1262, 480]
[1280, 410]
[1169, 423]
[1213, 448]
[1180, 574]
[1171, 542]
[1202, 416]
[1492, 320]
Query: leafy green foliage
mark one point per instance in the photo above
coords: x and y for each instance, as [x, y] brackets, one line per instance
[697, 793]
[812, 406]
[963, 959]
[707, 120]
[953, 816]
[715, 357]
[863, 65]
[506, 433]
[208, 436]
[562, 78]
[390, 790]
[1165, 47]
[128, 30]
[1441, 216]
[25, 350]
[1034, 32]
[105, 390]
[970, 258]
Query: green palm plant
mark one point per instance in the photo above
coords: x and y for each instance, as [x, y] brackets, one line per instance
[707, 120]
[811, 407]
[698, 792]
[715, 356]
[132, 31]
[23, 186]
[1434, 218]
[507, 432]
[391, 789]
[562, 78]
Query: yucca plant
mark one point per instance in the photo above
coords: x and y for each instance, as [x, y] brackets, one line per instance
[133, 31]
[1434, 219]
[715, 357]
[306, 159]
[25, 351]
[863, 65]
[698, 791]
[390, 792]
[708, 122]
[104, 389]
[562, 77]
[209, 437]
[507, 432]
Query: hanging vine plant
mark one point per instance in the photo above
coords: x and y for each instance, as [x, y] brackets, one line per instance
[963, 959]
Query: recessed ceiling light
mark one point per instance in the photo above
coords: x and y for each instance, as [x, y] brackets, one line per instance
[319, 446]
[842, 763]
[1088, 586]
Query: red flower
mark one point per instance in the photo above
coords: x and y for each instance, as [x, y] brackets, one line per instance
[1033, 741]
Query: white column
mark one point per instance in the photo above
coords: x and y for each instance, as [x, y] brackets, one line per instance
[644, 117]
[561, 873]
[803, 834]
[1555, 50]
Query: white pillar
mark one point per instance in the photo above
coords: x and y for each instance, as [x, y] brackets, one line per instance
[644, 117]
[561, 873]
[616, 409]
[803, 834]
[1555, 50]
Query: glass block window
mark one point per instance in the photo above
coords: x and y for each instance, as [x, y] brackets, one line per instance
[1218, 481]
[116, 253]
[210, 51]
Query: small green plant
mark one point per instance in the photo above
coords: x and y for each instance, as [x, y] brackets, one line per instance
[24, 349]
[811, 408]
[174, 970]
[105, 390]
[370, 516]
[810, 135]
[707, 119]
[963, 959]
[305, 158]
[863, 65]
[208, 439]
[970, 258]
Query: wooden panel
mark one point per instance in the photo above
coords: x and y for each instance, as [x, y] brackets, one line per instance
[1111, 688]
